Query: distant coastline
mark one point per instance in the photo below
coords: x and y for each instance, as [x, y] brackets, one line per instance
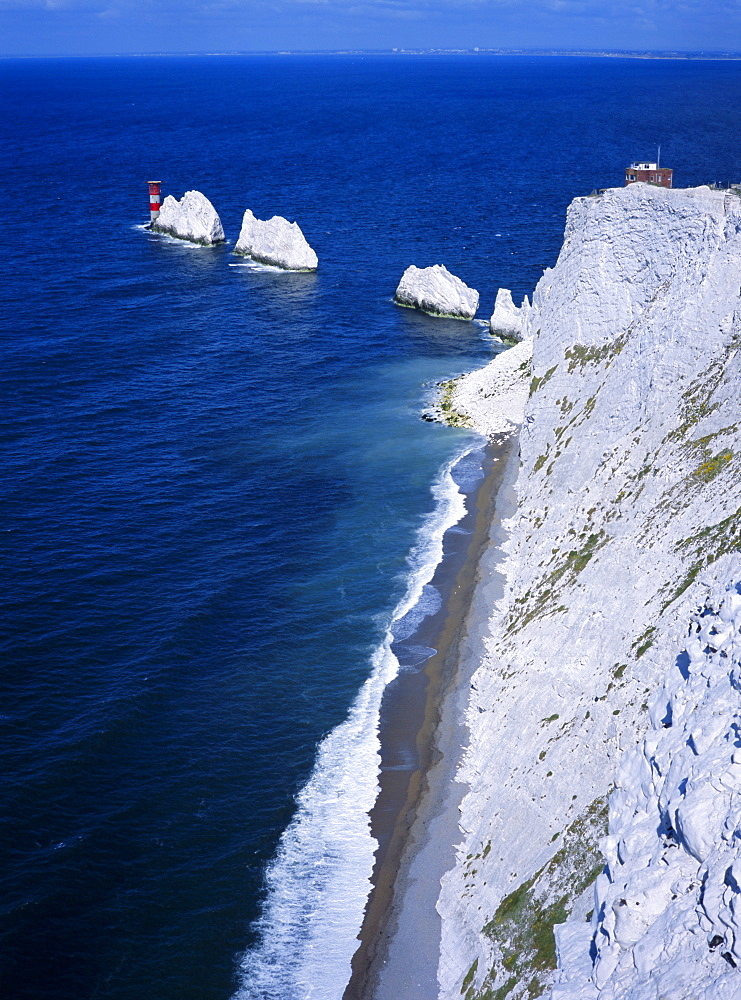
[698, 56]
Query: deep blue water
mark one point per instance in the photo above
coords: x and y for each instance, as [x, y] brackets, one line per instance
[213, 475]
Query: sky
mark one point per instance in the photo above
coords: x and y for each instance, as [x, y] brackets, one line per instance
[87, 27]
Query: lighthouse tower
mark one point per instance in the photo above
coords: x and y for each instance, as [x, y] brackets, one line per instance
[154, 200]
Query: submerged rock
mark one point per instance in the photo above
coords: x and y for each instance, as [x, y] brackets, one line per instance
[192, 218]
[436, 291]
[507, 319]
[275, 241]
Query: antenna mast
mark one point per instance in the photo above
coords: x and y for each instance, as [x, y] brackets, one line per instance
[658, 157]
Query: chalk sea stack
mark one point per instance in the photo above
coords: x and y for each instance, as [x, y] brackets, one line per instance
[508, 320]
[436, 291]
[277, 242]
[193, 218]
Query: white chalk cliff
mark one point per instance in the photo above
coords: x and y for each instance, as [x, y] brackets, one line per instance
[667, 917]
[608, 689]
[192, 218]
[277, 242]
[507, 318]
[436, 291]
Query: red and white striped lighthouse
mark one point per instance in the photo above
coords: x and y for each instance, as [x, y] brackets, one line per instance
[154, 200]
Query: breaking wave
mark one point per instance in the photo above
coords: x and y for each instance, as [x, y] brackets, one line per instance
[318, 883]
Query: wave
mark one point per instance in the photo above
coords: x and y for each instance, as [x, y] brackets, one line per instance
[318, 883]
[256, 265]
[157, 236]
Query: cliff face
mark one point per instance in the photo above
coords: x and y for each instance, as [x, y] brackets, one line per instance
[629, 504]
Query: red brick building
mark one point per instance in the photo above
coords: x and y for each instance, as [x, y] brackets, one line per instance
[651, 173]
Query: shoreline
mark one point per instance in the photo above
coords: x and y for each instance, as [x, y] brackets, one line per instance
[422, 738]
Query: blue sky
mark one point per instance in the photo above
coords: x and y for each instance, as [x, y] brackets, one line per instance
[119, 26]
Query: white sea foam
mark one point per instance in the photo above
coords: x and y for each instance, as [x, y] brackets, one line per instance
[319, 882]
[429, 603]
[157, 237]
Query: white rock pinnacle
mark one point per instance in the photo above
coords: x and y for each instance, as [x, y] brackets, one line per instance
[275, 241]
[507, 319]
[436, 291]
[192, 218]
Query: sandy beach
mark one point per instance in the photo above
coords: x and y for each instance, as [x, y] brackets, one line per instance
[415, 819]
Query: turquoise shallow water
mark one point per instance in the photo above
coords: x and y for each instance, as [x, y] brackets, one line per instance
[213, 476]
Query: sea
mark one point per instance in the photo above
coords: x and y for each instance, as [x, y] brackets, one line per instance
[220, 505]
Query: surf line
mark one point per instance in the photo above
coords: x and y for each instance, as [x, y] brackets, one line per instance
[316, 887]
[411, 711]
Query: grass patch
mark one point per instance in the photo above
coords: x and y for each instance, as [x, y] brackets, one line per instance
[697, 402]
[544, 595]
[704, 548]
[451, 417]
[580, 355]
[675, 499]
[565, 405]
[644, 641]
[522, 926]
[538, 383]
[468, 978]
[710, 469]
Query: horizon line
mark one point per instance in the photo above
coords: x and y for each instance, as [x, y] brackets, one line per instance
[678, 54]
